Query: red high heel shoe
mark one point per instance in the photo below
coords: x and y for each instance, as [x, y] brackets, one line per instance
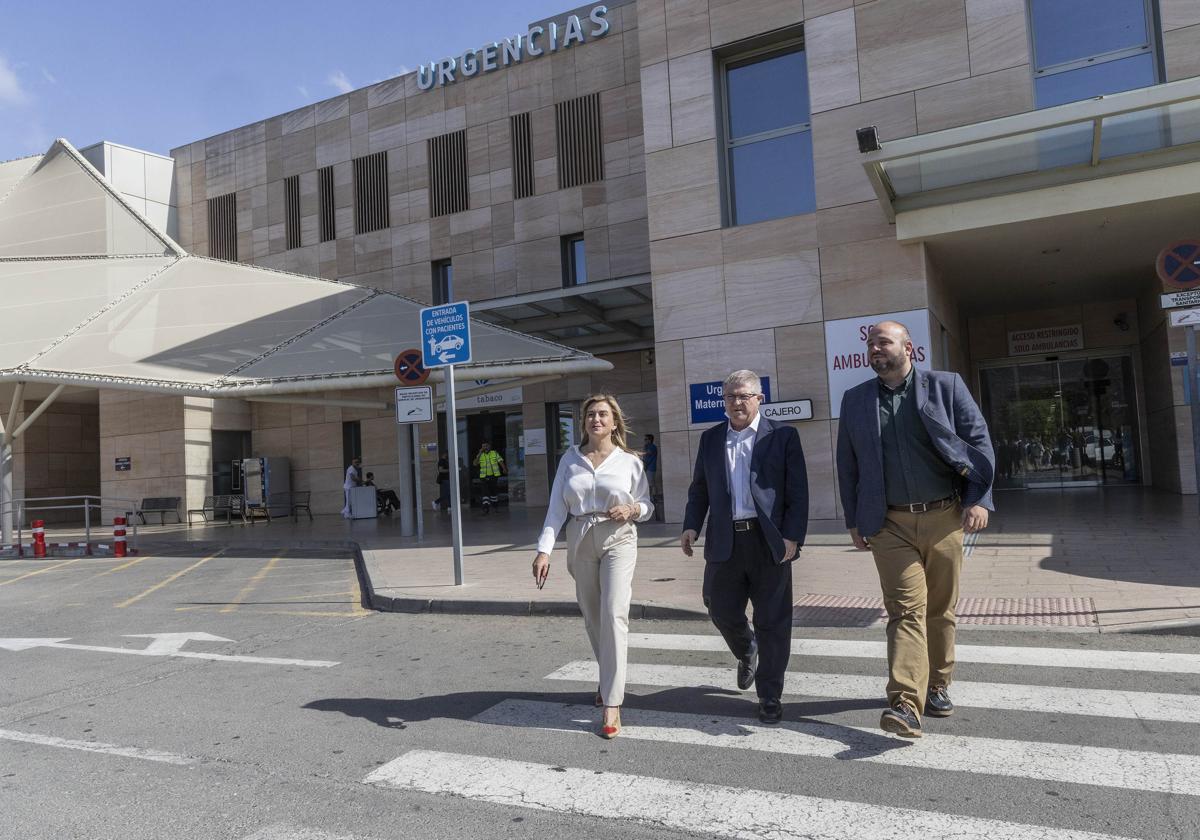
[613, 729]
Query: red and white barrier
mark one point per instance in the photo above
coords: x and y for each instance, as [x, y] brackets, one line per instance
[119, 536]
[39, 538]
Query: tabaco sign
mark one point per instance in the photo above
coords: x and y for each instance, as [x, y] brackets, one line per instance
[1045, 340]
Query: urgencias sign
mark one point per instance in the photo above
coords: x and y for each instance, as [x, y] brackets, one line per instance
[538, 41]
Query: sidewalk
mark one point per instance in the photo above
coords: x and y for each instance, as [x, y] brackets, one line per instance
[1121, 559]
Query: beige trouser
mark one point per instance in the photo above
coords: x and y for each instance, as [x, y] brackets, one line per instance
[601, 556]
[919, 558]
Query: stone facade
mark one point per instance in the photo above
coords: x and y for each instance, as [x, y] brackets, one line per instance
[725, 297]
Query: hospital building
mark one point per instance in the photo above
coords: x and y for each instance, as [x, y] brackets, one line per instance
[634, 198]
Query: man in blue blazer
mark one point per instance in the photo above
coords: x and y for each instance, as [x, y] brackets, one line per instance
[915, 469]
[750, 481]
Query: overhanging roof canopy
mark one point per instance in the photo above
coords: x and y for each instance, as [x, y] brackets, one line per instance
[1134, 131]
[95, 295]
[601, 317]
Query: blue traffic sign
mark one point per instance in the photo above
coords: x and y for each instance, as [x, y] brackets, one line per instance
[446, 334]
[707, 400]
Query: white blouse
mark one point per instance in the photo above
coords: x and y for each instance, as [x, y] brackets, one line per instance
[579, 488]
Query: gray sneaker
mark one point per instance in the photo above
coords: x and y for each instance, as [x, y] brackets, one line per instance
[937, 703]
[900, 720]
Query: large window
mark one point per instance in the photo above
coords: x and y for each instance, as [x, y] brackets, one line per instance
[1086, 48]
[768, 137]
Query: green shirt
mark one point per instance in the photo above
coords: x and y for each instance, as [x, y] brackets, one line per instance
[913, 471]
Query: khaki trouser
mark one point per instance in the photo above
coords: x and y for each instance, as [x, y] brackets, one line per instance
[919, 558]
[601, 556]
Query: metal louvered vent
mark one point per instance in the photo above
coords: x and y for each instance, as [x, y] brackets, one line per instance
[222, 227]
[522, 155]
[371, 193]
[580, 146]
[449, 190]
[291, 210]
[325, 200]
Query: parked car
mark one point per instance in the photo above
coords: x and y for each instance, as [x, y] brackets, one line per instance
[1109, 450]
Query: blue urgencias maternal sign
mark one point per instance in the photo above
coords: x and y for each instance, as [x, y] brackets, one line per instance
[446, 334]
[707, 400]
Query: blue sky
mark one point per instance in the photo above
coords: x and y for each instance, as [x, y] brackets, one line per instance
[158, 75]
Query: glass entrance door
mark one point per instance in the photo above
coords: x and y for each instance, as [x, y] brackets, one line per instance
[1071, 422]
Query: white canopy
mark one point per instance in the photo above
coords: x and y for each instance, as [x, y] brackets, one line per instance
[94, 295]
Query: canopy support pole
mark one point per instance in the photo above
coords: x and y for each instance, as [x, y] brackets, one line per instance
[7, 438]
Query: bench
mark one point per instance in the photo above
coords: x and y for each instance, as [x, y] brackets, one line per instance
[262, 508]
[210, 503]
[299, 503]
[162, 505]
[228, 505]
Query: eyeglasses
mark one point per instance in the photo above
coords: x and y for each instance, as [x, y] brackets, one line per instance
[739, 398]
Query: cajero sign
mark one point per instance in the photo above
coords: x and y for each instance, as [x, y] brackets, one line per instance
[538, 41]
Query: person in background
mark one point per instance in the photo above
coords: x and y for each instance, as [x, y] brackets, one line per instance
[650, 461]
[386, 498]
[442, 503]
[353, 479]
[601, 488]
[491, 467]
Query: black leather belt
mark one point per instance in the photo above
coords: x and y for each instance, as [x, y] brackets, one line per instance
[745, 524]
[925, 507]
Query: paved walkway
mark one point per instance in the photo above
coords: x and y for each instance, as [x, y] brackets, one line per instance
[1123, 558]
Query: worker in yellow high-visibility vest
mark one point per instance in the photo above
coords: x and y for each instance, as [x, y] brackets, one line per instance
[491, 467]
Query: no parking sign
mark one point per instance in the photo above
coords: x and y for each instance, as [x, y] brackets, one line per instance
[409, 369]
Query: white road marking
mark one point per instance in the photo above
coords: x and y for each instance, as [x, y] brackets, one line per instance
[166, 644]
[687, 806]
[1107, 660]
[1072, 763]
[1142, 705]
[96, 747]
[283, 831]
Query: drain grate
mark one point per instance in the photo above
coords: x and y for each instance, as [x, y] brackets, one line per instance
[857, 611]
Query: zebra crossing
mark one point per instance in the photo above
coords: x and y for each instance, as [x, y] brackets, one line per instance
[950, 757]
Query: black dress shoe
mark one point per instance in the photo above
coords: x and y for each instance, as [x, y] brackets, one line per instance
[900, 720]
[770, 711]
[746, 669]
[937, 703]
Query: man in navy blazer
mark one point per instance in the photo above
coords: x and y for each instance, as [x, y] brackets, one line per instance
[750, 481]
[915, 469]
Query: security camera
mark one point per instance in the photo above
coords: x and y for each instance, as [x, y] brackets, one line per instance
[1121, 322]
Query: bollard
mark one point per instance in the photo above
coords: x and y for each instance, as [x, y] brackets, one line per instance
[119, 536]
[39, 538]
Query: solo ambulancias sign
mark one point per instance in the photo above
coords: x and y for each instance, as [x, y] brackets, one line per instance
[538, 41]
[1045, 340]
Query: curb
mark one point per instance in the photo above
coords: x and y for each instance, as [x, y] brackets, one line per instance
[478, 606]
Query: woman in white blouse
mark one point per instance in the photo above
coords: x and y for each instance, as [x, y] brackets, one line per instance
[601, 488]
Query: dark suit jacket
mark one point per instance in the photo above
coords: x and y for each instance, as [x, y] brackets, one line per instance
[778, 485]
[955, 425]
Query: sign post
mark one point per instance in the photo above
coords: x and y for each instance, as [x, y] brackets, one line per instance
[446, 341]
[414, 405]
[1178, 266]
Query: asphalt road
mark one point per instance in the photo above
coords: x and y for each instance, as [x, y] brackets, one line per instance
[314, 718]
